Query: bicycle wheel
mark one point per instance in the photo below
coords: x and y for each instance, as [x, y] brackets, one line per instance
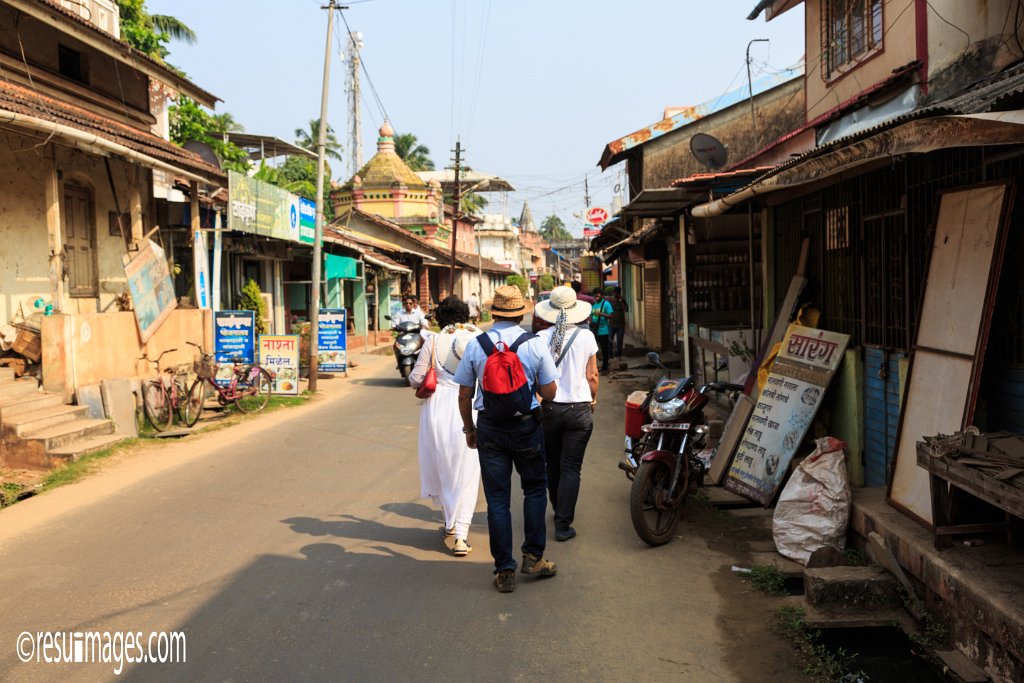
[157, 405]
[193, 404]
[253, 389]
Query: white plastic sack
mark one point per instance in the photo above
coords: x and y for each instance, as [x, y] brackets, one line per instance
[814, 508]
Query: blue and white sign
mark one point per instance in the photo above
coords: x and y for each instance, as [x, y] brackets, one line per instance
[332, 340]
[234, 336]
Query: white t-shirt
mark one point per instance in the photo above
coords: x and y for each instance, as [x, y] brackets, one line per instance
[572, 378]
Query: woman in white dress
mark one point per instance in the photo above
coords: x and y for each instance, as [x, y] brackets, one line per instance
[568, 419]
[449, 470]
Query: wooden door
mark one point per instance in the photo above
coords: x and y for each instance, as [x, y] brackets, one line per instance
[80, 241]
[652, 304]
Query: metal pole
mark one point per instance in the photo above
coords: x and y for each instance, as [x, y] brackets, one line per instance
[455, 213]
[750, 90]
[314, 314]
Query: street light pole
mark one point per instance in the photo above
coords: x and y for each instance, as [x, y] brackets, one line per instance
[455, 213]
[318, 235]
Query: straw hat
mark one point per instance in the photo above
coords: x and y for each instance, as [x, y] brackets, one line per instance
[450, 347]
[508, 302]
[563, 299]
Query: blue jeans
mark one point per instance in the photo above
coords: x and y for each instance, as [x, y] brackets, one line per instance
[567, 429]
[502, 445]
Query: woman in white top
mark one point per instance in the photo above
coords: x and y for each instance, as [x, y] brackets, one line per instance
[449, 470]
[568, 420]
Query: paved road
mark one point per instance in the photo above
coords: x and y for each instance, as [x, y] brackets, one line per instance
[295, 548]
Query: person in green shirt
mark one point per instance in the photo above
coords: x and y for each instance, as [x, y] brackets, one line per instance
[599, 316]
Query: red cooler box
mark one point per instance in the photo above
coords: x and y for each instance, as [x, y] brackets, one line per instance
[635, 417]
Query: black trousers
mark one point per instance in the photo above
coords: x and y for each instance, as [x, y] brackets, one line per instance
[605, 347]
[567, 429]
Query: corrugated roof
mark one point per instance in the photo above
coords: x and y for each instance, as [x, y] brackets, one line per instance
[21, 100]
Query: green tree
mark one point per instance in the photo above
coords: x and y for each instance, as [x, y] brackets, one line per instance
[520, 282]
[308, 139]
[545, 282]
[298, 175]
[252, 300]
[553, 229]
[150, 33]
[189, 121]
[415, 155]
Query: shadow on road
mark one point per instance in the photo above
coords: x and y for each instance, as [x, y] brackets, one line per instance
[350, 526]
[425, 513]
[382, 382]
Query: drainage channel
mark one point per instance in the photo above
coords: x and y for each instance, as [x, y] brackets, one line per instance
[880, 654]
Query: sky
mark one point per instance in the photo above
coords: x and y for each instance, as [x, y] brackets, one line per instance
[534, 89]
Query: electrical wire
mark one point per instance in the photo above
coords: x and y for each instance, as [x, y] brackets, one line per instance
[366, 72]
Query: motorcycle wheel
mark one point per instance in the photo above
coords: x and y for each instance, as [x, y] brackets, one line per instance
[404, 370]
[654, 526]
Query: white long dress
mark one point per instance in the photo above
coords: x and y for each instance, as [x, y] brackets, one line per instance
[449, 470]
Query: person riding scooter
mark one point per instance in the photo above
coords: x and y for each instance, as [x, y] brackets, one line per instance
[407, 324]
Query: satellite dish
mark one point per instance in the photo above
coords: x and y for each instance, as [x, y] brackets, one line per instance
[204, 151]
[708, 150]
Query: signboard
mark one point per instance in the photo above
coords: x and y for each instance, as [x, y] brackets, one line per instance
[201, 268]
[149, 281]
[263, 209]
[234, 336]
[792, 395]
[597, 215]
[279, 355]
[591, 276]
[591, 232]
[332, 340]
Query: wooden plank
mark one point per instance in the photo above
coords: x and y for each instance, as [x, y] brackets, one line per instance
[1003, 496]
[968, 671]
[731, 436]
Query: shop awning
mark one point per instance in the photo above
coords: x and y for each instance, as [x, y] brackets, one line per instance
[916, 136]
[659, 203]
[383, 261]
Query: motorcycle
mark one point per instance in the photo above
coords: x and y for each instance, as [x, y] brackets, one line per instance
[408, 342]
[663, 435]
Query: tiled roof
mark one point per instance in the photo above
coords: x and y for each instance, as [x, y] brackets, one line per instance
[22, 100]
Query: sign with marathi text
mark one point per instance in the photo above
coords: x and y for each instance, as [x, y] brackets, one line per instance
[149, 281]
[234, 339]
[801, 373]
[263, 209]
[279, 355]
[332, 341]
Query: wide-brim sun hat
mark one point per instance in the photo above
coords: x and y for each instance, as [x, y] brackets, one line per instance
[508, 302]
[450, 347]
[563, 299]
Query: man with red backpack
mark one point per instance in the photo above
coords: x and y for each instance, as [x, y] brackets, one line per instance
[510, 367]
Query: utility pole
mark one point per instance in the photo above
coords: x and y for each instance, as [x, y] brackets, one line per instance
[586, 192]
[750, 91]
[314, 313]
[457, 209]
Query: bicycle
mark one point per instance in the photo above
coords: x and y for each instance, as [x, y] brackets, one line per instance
[249, 388]
[164, 396]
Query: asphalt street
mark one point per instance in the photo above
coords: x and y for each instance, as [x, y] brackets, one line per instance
[295, 547]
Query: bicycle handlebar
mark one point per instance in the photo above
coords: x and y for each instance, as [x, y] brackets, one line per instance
[145, 356]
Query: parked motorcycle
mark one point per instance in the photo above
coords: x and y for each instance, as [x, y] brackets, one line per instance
[408, 342]
[663, 434]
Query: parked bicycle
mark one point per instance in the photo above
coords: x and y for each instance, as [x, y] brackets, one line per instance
[249, 386]
[164, 396]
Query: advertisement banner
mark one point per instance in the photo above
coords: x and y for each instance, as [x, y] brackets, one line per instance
[307, 220]
[234, 336]
[201, 268]
[149, 281]
[800, 375]
[268, 210]
[332, 340]
[279, 355]
[590, 273]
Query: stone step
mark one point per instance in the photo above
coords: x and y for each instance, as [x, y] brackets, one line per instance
[851, 588]
[37, 420]
[26, 404]
[69, 432]
[6, 374]
[18, 389]
[76, 449]
[785, 566]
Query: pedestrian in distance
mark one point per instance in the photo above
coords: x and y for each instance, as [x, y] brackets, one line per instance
[449, 470]
[568, 419]
[506, 368]
[617, 323]
[600, 313]
[474, 308]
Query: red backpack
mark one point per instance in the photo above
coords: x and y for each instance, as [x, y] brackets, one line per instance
[506, 391]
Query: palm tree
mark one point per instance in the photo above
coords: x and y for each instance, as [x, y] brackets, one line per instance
[415, 155]
[224, 123]
[173, 27]
[308, 139]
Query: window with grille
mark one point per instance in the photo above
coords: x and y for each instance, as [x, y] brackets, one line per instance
[850, 31]
[837, 229]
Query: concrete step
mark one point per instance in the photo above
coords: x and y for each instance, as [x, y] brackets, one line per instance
[76, 449]
[37, 420]
[18, 389]
[851, 588]
[69, 432]
[26, 404]
[785, 566]
[6, 374]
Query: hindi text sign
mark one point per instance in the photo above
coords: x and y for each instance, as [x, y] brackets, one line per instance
[234, 337]
[332, 340]
[279, 355]
[801, 373]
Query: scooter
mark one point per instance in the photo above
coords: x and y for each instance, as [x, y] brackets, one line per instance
[408, 342]
[660, 452]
